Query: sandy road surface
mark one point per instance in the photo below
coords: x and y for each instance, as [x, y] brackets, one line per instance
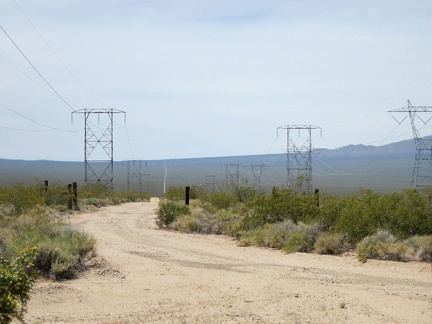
[146, 275]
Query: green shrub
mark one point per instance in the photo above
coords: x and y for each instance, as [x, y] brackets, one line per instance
[223, 200]
[245, 193]
[95, 190]
[55, 263]
[186, 224]
[298, 242]
[330, 243]
[21, 197]
[16, 280]
[254, 237]
[62, 250]
[280, 205]
[168, 211]
[276, 235]
[179, 193]
[412, 214]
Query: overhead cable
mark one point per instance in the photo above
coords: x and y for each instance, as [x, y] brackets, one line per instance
[31, 64]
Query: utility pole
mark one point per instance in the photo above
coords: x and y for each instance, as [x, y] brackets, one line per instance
[299, 157]
[98, 145]
[422, 173]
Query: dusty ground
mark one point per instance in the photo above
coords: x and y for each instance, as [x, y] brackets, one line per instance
[146, 275]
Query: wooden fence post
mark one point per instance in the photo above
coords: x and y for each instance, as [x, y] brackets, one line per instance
[69, 195]
[317, 197]
[187, 195]
[74, 196]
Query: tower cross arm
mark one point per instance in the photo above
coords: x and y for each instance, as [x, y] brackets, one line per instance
[412, 109]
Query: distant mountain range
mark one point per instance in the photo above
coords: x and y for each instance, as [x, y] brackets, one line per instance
[345, 169]
[406, 147]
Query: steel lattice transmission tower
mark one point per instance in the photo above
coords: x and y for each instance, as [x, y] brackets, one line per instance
[299, 156]
[98, 145]
[210, 183]
[422, 173]
[134, 180]
[257, 170]
[232, 174]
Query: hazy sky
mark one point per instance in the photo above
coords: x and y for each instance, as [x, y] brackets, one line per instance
[209, 78]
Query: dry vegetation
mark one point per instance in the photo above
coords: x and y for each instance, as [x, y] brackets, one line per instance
[395, 226]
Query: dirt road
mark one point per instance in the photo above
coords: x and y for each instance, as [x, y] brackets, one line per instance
[146, 275]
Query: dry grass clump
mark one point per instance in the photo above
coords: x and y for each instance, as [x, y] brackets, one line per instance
[61, 250]
[381, 246]
[201, 221]
[331, 243]
[420, 248]
[286, 236]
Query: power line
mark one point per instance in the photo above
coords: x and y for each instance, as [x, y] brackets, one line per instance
[31, 64]
[55, 54]
[36, 122]
[23, 73]
[375, 103]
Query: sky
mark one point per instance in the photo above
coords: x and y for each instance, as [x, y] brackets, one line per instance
[209, 78]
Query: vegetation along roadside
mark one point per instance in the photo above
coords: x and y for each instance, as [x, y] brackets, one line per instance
[35, 239]
[393, 226]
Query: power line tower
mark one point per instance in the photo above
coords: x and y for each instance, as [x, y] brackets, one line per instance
[210, 183]
[98, 145]
[134, 179]
[422, 173]
[146, 181]
[257, 170]
[232, 174]
[299, 157]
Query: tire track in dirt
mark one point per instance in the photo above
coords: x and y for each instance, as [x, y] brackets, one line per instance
[143, 274]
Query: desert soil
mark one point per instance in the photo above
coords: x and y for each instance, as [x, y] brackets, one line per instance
[146, 275]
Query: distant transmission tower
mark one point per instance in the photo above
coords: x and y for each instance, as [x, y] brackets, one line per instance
[146, 181]
[232, 174]
[257, 170]
[98, 145]
[210, 183]
[299, 157]
[422, 173]
[134, 180]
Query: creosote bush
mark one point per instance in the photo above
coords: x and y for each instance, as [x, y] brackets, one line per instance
[291, 221]
[169, 211]
[16, 280]
[299, 242]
